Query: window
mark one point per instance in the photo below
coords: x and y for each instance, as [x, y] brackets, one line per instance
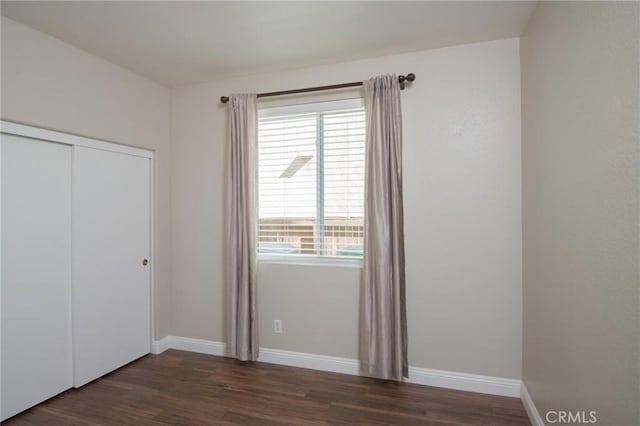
[311, 180]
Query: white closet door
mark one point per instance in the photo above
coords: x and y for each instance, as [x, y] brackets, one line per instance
[111, 238]
[36, 272]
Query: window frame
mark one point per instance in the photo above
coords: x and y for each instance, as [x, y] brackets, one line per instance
[319, 107]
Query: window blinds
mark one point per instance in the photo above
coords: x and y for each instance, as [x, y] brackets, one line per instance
[311, 181]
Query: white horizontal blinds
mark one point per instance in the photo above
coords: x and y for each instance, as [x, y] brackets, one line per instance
[344, 183]
[311, 182]
[287, 197]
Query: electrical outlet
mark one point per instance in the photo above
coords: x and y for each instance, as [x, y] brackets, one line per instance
[277, 326]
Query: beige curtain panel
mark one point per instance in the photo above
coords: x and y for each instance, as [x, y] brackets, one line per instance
[242, 331]
[383, 323]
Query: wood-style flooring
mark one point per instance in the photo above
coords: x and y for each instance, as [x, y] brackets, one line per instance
[182, 388]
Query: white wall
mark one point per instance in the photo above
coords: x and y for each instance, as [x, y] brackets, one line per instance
[48, 83]
[462, 215]
[581, 123]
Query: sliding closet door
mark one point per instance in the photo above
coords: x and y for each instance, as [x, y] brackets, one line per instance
[111, 274]
[36, 272]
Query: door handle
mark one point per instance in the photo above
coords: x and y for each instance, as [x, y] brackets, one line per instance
[145, 262]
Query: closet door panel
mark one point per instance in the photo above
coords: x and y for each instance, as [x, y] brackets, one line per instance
[111, 283]
[36, 272]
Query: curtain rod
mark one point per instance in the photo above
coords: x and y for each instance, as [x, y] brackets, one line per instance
[401, 79]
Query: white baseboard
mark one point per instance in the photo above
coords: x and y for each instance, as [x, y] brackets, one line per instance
[422, 376]
[188, 344]
[464, 381]
[208, 347]
[159, 346]
[530, 407]
[313, 361]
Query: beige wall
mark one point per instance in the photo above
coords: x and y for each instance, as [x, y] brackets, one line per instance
[462, 215]
[580, 94]
[50, 84]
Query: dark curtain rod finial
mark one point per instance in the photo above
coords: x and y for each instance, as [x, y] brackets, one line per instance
[409, 77]
[402, 79]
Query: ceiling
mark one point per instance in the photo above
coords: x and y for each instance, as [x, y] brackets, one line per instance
[183, 42]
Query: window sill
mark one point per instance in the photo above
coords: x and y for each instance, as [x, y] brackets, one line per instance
[309, 260]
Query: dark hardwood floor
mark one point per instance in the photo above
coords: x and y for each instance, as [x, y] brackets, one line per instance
[182, 388]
